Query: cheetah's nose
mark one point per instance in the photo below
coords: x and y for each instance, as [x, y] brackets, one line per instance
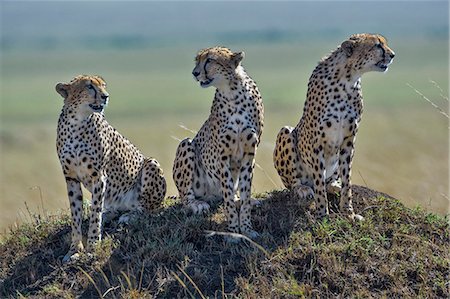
[195, 73]
[104, 96]
[392, 55]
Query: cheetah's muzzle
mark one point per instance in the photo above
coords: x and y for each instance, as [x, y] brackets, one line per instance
[97, 108]
[206, 83]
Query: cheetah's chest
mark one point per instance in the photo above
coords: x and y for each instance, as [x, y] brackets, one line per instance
[80, 155]
[339, 126]
[235, 128]
[340, 119]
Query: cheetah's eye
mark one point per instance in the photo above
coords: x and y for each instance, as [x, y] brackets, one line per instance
[208, 60]
[90, 86]
[379, 46]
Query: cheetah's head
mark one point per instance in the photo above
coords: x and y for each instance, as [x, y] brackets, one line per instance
[368, 52]
[216, 66]
[86, 93]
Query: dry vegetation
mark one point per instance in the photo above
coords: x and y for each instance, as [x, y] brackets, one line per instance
[395, 252]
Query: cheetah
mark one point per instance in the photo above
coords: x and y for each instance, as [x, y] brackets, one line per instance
[119, 177]
[316, 156]
[219, 161]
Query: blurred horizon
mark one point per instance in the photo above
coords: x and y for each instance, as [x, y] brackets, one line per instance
[161, 24]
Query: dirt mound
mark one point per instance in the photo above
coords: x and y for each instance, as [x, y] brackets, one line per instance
[396, 252]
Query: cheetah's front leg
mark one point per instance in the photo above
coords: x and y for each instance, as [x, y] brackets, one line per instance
[319, 176]
[95, 219]
[185, 172]
[249, 142]
[228, 192]
[345, 166]
[76, 209]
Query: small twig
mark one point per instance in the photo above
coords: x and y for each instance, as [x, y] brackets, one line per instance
[111, 289]
[429, 101]
[222, 282]
[192, 282]
[440, 89]
[187, 129]
[175, 138]
[365, 184]
[182, 284]
[92, 281]
[41, 197]
[127, 279]
[30, 215]
[105, 278]
[265, 173]
[210, 233]
[368, 208]
[140, 279]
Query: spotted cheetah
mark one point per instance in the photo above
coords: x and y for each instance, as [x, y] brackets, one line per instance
[316, 156]
[219, 161]
[93, 153]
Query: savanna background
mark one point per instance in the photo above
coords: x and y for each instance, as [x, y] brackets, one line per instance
[145, 51]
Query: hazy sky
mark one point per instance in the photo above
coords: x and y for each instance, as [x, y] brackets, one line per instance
[27, 23]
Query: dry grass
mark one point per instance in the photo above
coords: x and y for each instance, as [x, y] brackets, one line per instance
[396, 252]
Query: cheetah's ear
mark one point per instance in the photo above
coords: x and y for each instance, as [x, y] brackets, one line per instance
[348, 47]
[236, 58]
[62, 89]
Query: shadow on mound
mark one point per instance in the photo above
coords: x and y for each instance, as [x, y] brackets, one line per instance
[30, 254]
[168, 255]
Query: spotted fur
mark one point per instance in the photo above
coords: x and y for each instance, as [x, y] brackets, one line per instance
[219, 161]
[317, 154]
[93, 153]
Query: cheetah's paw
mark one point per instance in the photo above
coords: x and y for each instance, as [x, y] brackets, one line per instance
[124, 219]
[71, 257]
[334, 187]
[252, 234]
[305, 192]
[356, 217]
[198, 206]
[256, 203]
